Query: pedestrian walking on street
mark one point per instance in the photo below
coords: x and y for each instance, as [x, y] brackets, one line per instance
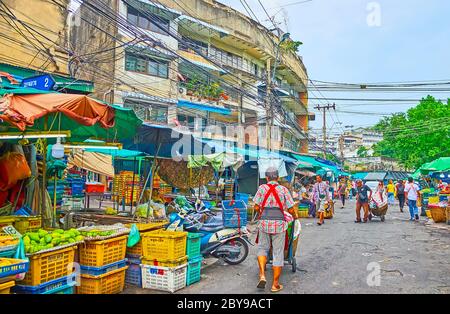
[363, 195]
[390, 189]
[400, 191]
[342, 191]
[350, 189]
[320, 197]
[273, 201]
[412, 190]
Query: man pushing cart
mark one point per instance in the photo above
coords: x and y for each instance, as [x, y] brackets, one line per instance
[275, 204]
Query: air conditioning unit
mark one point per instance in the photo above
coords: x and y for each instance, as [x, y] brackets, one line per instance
[182, 90]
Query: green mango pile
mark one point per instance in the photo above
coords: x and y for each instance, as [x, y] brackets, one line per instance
[44, 240]
[97, 233]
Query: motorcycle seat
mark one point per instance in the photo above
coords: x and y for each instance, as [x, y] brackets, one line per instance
[211, 228]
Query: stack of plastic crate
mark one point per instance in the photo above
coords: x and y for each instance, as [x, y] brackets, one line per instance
[229, 189]
[164, 262]
[103, 265]
[49, 272]
[195, 258]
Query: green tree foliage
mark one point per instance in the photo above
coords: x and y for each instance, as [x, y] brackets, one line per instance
[362, 151]
[420, 135]
[291, 45]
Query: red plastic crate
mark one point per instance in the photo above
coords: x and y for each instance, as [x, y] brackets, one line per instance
[95, 188]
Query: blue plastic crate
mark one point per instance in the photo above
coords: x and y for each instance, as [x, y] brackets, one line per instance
[242, 197]
[47, 287]
[193, 270]
[134, 259]
[8, 253]
[234, 214]
[66, 289]
[97, 271]
[11, 270]
[133, 275]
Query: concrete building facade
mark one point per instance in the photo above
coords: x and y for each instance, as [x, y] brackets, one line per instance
[192, 62]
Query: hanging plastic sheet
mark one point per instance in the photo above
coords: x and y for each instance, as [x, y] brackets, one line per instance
[266, 163]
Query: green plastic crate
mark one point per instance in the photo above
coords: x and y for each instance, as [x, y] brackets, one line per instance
[193, 244]
[193, 270]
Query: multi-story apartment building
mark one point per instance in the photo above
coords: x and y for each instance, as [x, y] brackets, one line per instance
[34, 41]
[192, 62]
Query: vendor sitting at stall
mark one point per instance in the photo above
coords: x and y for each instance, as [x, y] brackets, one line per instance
[273, 201]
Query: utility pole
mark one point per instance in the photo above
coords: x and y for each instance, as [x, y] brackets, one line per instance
[269, 108]
[324, 128]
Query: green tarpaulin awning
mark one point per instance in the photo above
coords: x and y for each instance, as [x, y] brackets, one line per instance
[438, 165]
[125, 126]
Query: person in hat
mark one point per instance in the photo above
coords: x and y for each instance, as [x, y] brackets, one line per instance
[273, 201]
[363, 196]
[321, 197]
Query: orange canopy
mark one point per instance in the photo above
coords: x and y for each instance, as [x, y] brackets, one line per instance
[22, 110]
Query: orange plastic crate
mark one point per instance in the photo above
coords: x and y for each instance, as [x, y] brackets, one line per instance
[135, 250]
[164, 245]
[48, 266]
[103, 252]
[6, 287]
[110, 283]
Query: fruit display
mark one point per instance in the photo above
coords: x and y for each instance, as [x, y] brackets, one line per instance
[7, 240]
[102, 232]
[111, 211]
[44, 240]
[97, 233]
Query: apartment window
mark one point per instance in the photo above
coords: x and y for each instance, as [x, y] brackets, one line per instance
[146, 65]
[157, 24]
[149, 112]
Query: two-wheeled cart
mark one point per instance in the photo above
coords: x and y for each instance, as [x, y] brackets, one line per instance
[289, 254]
[378, 212]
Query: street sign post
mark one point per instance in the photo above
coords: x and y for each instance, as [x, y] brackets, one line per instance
[41, 82]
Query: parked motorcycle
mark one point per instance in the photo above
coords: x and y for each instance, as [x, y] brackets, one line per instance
[229, 244]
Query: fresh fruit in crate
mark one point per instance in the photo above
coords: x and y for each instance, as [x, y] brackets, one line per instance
[44, 240]
[97, 233]
[6, 240]
[4, 262]
[110, 211]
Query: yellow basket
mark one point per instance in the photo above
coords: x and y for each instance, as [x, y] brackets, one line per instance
[48, 266]
[433, 200]
[6, 287]
[7, 221]
[164, 245]
[27, 224]
[103, 252]
[165, 263]
[428, 212]
[135, 250]
[112, 282]
[143, 229]
[303, 214]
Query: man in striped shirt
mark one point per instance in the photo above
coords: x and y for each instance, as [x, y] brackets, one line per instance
[272, 201]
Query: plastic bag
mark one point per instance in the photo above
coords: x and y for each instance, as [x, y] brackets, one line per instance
[297, 228]
[13, 168]
[134, 236]
[20, 252]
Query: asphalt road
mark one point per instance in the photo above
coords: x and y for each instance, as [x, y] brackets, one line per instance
[410, 257]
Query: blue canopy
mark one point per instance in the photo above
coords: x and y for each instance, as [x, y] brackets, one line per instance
[121, 153]
[250, 152]
[166, 142]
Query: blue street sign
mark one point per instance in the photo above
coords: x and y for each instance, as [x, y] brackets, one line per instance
[42, 82]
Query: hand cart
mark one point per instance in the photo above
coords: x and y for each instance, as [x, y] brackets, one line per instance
[289, 255]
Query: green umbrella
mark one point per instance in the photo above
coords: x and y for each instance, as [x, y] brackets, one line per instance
[438, 165]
